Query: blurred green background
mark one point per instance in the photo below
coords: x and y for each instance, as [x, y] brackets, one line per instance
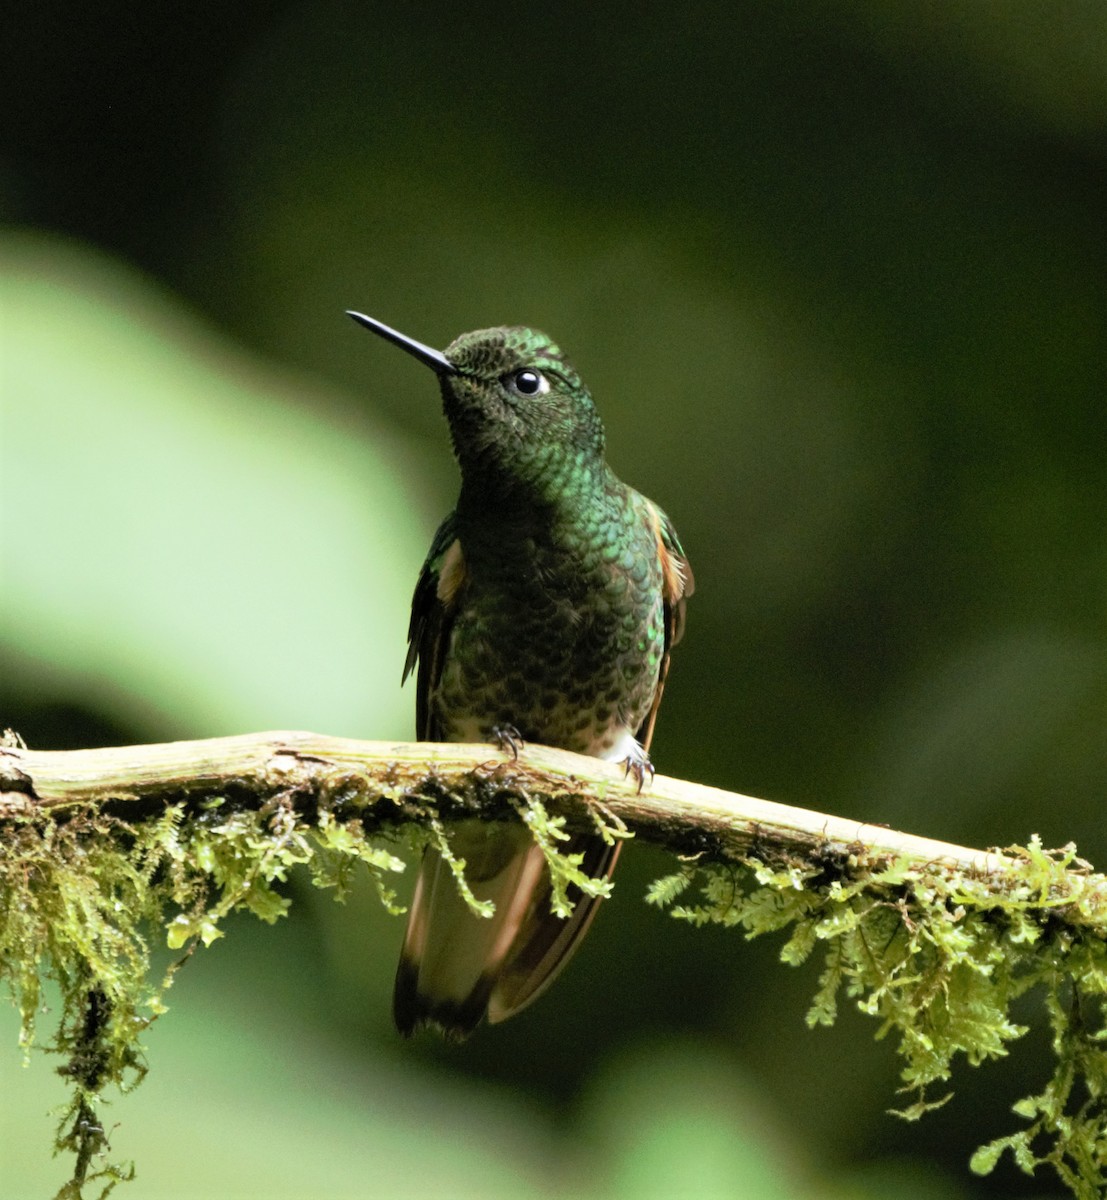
[837, 275]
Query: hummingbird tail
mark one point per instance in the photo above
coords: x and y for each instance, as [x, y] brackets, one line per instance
[455, 967]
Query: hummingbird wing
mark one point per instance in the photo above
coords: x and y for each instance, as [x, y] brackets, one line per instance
[428, 633]
[545, 942]
[677, 584]
[451, 958]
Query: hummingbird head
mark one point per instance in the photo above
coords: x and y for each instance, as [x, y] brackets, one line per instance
[513, 395]
[519, 414]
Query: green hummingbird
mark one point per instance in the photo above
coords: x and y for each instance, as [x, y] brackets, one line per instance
[545, 611]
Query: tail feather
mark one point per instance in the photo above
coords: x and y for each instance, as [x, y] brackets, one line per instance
[451, 957]
[456, 967]
[546, 942]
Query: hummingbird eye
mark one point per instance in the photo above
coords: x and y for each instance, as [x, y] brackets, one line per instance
[528, 382]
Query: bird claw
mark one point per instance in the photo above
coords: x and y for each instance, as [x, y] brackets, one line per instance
[638, 764]
[507, 738]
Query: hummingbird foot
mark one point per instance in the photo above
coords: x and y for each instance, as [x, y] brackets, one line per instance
[637, 763]
[507, 738]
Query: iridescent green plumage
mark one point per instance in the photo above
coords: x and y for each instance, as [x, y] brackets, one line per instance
[547, 606]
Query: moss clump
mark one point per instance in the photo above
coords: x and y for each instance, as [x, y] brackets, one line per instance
[565, 869]
[82, 897]
[938, 956]
[85, 894]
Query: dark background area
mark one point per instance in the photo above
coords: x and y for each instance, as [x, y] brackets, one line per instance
[836, 275]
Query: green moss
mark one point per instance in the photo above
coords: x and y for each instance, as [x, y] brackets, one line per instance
[938, 956]
[565, 869]
[81, 900]
[84, 897]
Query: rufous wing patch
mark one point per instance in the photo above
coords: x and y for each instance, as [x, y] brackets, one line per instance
[451, 574]
[676, 575]
[677, 583]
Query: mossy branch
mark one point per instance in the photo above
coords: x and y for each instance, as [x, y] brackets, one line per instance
[391, 781]
[103, 851]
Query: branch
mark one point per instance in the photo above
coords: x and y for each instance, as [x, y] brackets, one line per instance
[937, 941]
[393, 780]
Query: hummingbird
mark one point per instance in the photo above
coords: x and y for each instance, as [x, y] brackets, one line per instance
[545, 612]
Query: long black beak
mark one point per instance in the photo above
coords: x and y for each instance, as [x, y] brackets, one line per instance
[434, 359]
